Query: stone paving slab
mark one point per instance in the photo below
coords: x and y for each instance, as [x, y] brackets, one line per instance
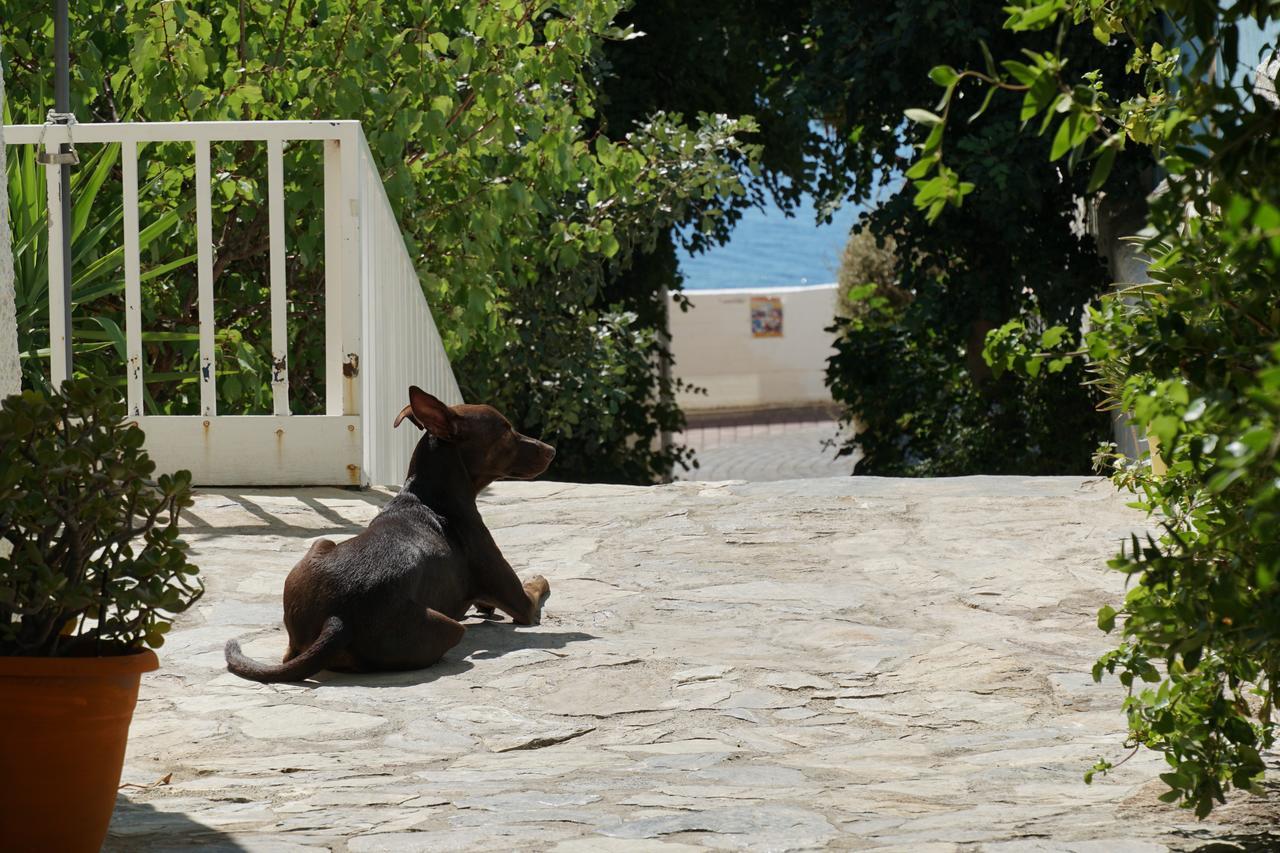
[849, 663]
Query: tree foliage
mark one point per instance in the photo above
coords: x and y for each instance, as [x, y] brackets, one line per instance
[910, 371]
[827, 83]
[1193, 357]
[481, 115]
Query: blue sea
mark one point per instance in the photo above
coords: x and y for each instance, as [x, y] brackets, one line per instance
[770, 249]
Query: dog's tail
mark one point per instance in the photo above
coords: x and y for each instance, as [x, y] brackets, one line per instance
[333, 638]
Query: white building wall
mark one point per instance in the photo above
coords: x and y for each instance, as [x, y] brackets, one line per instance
[714, 348]
[10, 370]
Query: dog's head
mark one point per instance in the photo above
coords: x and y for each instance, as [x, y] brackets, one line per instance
[489, 446]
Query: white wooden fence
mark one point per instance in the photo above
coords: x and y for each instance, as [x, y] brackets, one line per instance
[379, 334]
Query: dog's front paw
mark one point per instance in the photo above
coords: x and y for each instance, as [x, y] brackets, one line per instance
[538, 589]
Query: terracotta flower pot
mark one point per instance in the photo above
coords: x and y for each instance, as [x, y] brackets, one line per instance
[63, 727]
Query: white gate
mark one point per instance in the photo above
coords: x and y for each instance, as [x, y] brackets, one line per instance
[379, 334]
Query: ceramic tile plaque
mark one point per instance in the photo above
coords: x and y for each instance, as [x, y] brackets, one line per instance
[766, 317]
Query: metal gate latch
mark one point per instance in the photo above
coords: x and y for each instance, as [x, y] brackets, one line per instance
[58, 158]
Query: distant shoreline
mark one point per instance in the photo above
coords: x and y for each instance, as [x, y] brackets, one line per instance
[770, 250]
[782, 288]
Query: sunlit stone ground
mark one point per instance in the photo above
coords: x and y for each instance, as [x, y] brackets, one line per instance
[846, 663]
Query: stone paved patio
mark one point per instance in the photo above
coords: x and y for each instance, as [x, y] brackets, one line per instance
[843, 663]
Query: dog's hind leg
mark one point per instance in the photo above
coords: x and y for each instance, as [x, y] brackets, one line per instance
[413, 638]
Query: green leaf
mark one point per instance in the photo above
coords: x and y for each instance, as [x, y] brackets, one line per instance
[116, 335]
[986, 102]
[1061, 139]
[1020, 71]
[922, 116]
[1052, 336]
[987, 59]
[1034, 16]
[1101, 169]
[944, 75]
[921, 168]
[1165, 428]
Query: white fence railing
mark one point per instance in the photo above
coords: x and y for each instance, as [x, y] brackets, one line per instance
[379, 334]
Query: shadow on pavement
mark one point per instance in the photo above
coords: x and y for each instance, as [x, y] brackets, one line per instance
[483, 640]
[283, 523]
[1247, 824]
[491, 639]
[141, 826]
[1262, 842]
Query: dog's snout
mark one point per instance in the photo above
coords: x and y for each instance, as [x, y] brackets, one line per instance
[532, 459]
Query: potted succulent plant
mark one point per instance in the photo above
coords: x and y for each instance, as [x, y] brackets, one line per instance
[91, 572]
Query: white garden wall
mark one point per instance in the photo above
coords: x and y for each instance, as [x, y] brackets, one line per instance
[715, 348]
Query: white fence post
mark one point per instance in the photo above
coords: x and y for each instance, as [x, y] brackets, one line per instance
[58, 331]
[279, 296]
[334, 270]
[10, 365]
[132, 281]
[353, 279]
[204, 273]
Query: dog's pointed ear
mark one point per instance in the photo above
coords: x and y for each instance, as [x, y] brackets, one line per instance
[406, 412]
[429, 414]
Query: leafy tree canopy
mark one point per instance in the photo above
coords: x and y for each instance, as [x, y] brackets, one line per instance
[1193, 356]
[828, 84]
[911, 372]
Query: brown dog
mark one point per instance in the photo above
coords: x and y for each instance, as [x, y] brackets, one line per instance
[390, 598]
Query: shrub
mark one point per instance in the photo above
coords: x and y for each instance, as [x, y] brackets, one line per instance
[905, 373]
[867, 259]
[96, 565]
